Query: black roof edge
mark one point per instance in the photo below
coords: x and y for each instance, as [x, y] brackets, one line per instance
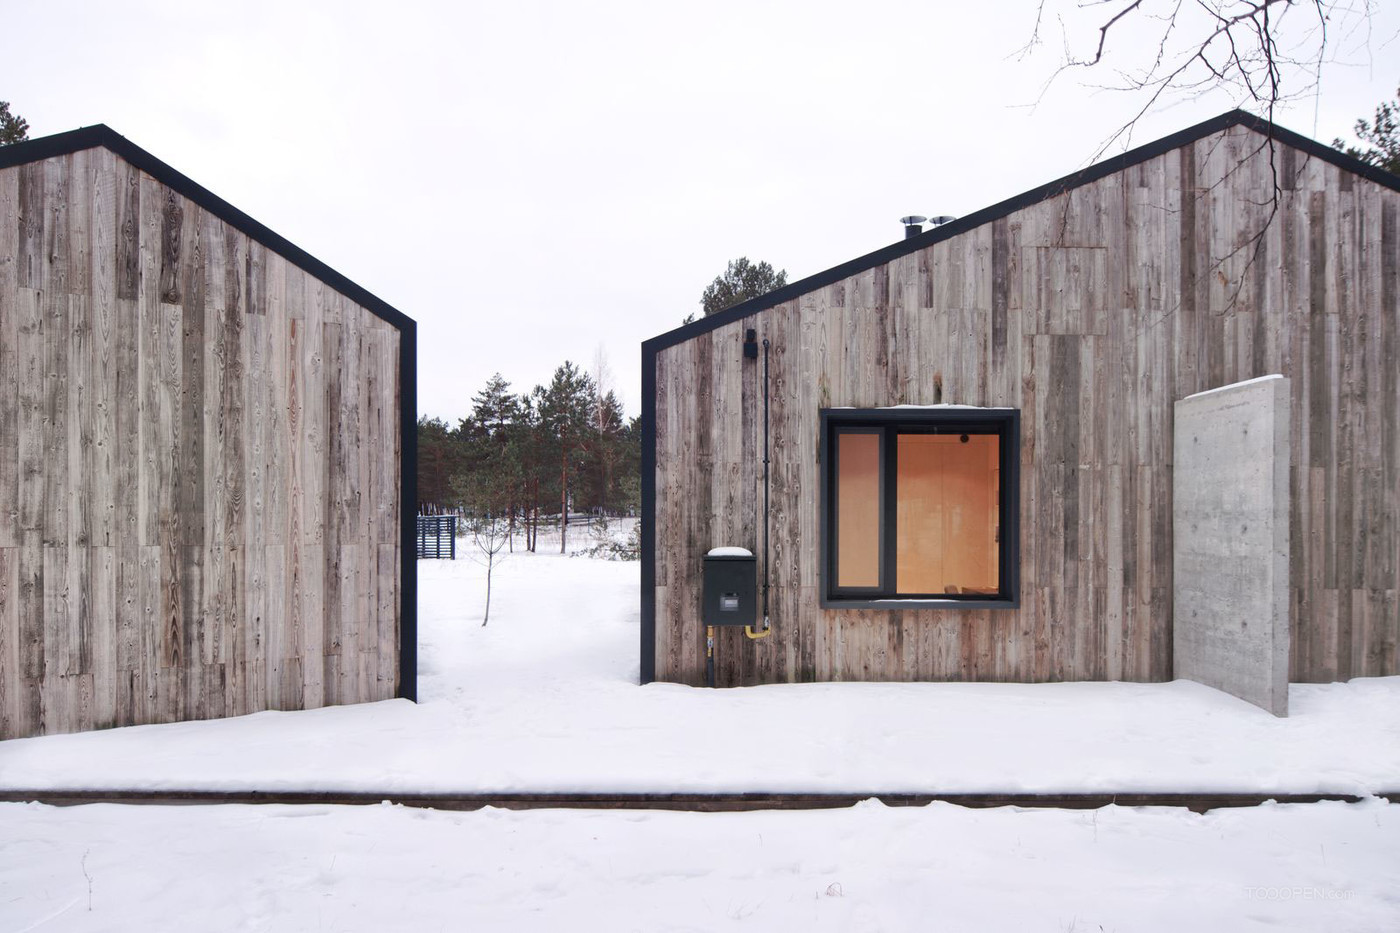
[91, 137]
[1043, 193]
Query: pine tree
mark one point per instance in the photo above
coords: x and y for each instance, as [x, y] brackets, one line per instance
[605, 452]
[494, 408]
[741, 281]
[440, 458]
[13, 128]
[564, 410]
[1383, 135]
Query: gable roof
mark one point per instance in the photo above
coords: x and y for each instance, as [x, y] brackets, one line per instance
[100, 135]
[1043, 193]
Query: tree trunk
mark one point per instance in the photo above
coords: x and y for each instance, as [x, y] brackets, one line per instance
[607, 483]
[490, 565]
[563, 501]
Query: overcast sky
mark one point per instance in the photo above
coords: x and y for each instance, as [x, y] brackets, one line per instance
[534, 181]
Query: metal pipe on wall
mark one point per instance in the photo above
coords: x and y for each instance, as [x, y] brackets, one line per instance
[767, 627]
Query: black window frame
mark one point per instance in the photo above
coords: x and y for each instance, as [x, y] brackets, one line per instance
[1005, 423]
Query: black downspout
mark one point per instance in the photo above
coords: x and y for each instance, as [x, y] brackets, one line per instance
[766, 551]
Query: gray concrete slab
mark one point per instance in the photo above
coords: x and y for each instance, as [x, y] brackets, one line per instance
[1230, 540]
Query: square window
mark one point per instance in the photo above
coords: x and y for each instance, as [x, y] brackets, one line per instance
[920, 507]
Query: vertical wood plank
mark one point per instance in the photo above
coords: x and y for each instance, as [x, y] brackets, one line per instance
[107, 357]
[130, 620]
[101, 663]
[12, 684]
[9, 362]
[29, 265]
[171, 509]
[30, 409]
[153, 360]
[28, 718]
[54, 464]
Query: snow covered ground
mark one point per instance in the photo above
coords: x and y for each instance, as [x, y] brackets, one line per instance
[1328, 866]
[544, 698]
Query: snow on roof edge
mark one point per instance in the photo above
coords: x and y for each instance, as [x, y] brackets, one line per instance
[939, 405]
[1236, 385]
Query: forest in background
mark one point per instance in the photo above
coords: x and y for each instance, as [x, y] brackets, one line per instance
[521, 461]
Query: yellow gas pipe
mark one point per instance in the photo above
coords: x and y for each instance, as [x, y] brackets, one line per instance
[709, 655]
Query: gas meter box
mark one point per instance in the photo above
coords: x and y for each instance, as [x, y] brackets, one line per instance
[731, 587]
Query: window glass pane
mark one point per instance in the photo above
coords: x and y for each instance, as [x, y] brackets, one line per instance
[947, 514]
[857, 509]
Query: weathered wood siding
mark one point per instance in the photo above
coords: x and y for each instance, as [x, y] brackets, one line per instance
[199, 456]
[1092, 312]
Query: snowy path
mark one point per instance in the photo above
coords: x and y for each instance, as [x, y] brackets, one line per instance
[1317, 867]
[544, 699]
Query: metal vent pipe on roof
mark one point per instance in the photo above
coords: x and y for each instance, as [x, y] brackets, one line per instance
[914, 223]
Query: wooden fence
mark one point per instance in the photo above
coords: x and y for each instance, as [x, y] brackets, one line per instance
[437, 537]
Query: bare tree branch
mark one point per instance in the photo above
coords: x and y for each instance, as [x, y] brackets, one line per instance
[1193, 47]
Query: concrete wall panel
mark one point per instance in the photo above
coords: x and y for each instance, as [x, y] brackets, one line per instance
[1230, 540]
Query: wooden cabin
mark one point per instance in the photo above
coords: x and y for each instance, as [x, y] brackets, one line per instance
[206, 455]
[1040, 345]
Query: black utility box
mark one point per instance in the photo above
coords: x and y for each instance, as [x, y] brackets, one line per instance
[731, 587]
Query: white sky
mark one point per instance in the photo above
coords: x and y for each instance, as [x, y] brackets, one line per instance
[532, 181]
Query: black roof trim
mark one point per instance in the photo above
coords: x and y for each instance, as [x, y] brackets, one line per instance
[1035, 195]
[100, 135]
